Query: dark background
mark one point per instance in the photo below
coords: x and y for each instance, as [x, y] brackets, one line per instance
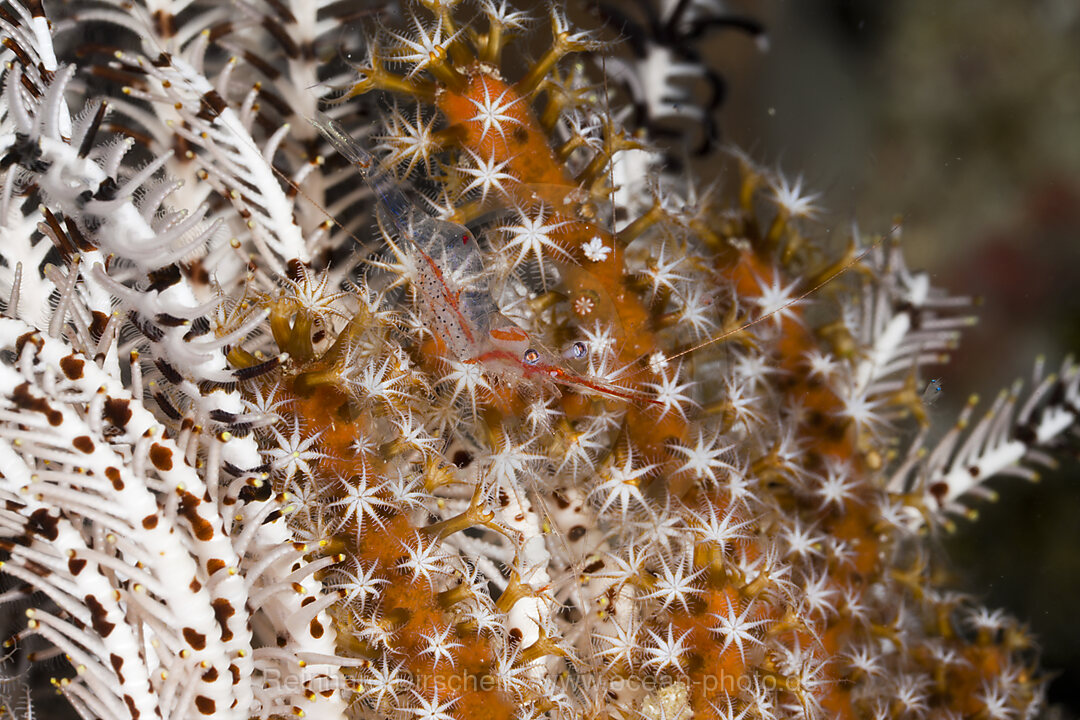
[963, 117]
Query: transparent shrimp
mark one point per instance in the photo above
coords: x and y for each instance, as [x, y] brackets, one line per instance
[450, 275]
[455, 292]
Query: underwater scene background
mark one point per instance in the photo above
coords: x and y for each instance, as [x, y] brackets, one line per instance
[454, 359]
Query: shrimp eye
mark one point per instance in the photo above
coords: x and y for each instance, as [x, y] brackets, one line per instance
[579, 349]
[531, 357]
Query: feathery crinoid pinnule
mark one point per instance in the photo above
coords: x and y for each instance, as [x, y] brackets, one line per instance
[247, 472]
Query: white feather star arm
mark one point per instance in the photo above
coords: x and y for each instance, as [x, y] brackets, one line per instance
[89, 464]
[1014, 435]
[106, 517]
[905, 323]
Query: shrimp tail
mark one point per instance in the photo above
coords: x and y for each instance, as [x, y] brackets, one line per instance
[384, 185]
[343, 142]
